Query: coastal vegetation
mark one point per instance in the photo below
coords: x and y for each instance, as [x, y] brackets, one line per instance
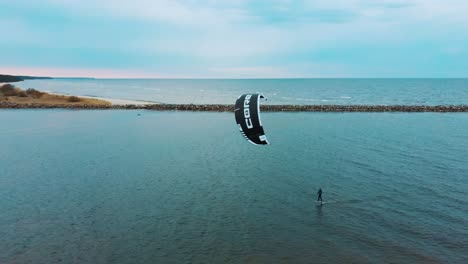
[73, 99]
[12, 95]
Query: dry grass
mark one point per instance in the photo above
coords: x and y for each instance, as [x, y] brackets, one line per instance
[9, 90]
[34, 93]
[14, 94]
[73, 99]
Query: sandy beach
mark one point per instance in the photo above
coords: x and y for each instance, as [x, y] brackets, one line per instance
[114, 101]
[21, 96]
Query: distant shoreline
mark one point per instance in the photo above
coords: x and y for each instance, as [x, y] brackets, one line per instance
[14, 78]
[230, 108]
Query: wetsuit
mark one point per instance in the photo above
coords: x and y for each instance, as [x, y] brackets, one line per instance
[319, 198]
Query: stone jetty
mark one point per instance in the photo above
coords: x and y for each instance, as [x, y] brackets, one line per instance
[230, 108]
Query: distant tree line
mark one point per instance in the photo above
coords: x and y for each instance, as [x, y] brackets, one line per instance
[10, 78]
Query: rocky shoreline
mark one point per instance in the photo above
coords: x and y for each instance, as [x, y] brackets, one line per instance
[230, 108]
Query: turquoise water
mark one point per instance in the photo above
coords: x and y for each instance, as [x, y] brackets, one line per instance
[183, 187]
[278, 91]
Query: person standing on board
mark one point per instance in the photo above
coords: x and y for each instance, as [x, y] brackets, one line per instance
[319, 193]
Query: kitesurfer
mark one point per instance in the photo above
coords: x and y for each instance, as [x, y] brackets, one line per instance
[319, 193]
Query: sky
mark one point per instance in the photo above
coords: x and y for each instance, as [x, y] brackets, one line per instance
[234, 38]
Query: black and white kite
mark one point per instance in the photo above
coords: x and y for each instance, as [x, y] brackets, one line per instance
[247, 113]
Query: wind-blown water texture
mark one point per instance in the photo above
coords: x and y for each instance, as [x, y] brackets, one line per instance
[278, 91]
[171, 187]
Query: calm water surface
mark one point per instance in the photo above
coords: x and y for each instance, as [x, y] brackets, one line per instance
[172, 187]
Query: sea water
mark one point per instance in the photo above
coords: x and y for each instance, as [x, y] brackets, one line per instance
[185, 187]
[278, 91]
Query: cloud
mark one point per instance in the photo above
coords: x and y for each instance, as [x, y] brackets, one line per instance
[237, 37]
[82, 72]
[183, 13]
[218, 13]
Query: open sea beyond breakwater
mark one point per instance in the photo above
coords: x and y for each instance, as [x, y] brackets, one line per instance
[278, 91]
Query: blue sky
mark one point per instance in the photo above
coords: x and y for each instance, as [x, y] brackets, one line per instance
[234, 38]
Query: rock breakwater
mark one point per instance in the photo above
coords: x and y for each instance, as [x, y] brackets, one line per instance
[230, 108]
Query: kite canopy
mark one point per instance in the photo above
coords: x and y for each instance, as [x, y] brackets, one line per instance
[247, 113]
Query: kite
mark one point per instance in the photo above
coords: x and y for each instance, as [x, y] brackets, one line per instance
[247, 113]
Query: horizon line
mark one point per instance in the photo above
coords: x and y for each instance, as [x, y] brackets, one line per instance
[227, 78]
